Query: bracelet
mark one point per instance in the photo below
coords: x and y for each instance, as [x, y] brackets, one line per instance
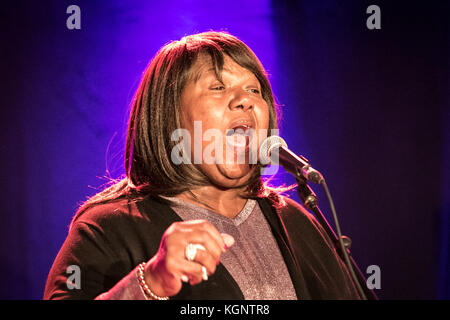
[144, 285]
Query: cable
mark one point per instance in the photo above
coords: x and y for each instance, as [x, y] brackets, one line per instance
[341, 242]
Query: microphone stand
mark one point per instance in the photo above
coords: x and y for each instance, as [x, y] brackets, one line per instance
[309, 200]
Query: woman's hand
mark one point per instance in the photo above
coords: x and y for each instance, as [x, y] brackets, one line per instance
[165, 272]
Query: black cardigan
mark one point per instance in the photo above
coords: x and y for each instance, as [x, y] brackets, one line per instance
[108, 241]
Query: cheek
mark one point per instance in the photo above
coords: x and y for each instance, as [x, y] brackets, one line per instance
[201, 109]
[263, 116]
[210, 115]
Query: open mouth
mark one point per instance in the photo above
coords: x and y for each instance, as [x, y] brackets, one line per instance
[239, 136]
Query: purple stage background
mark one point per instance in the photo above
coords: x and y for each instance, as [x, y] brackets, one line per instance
[369, 108]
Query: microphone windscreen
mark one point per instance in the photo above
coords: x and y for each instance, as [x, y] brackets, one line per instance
[269, 144]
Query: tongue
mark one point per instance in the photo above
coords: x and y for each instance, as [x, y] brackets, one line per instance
[240, 129]
[237, 130]
[237, 139]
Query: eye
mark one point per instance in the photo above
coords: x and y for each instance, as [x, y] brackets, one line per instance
[218, 87]
[255, 90]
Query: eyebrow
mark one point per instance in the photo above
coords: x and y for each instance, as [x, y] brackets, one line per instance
[197, 74]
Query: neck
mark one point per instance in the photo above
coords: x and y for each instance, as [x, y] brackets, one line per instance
[225, 202]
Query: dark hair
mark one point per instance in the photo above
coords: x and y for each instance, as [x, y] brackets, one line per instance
[155, 114]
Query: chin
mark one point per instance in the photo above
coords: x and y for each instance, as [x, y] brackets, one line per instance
[233, 176]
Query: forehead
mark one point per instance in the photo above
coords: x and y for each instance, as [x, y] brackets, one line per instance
[203, 67]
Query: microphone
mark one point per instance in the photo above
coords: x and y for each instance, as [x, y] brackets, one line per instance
[274, 150]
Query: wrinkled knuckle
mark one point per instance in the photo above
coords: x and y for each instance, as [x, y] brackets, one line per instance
[205, 236]
[204, 224]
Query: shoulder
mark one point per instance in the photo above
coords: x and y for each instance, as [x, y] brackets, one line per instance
[126, 218]
[110, 212]
[121, 215]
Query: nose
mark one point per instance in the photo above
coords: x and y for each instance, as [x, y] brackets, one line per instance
[241, 101]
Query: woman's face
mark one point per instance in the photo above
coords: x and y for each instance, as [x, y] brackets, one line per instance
[225, 120]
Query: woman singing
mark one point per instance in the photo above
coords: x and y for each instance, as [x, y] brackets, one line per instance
[192, 218]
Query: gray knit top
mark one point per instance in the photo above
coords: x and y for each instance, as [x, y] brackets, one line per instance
[254, 261]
